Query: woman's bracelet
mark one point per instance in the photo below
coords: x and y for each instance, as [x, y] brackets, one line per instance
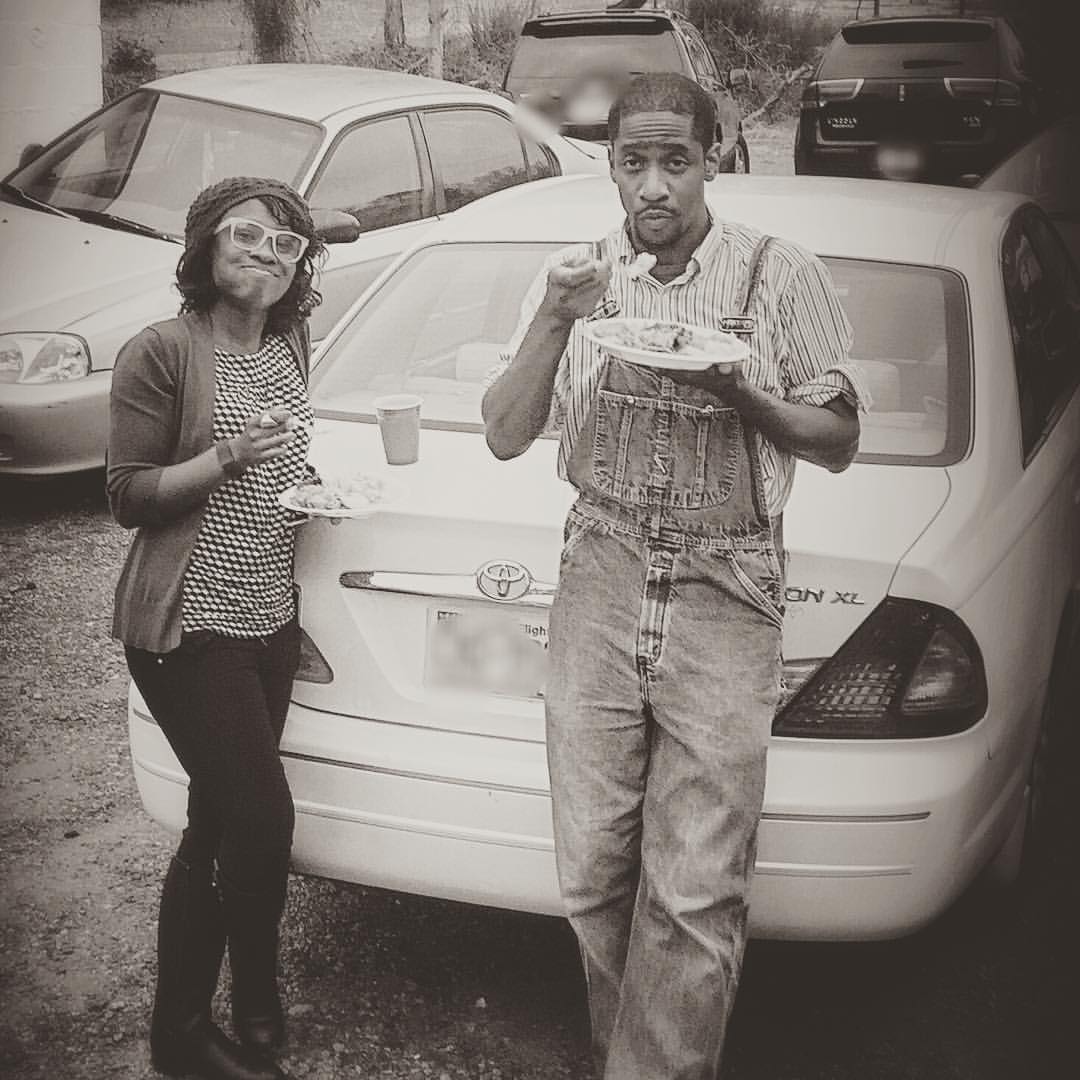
[228, 460]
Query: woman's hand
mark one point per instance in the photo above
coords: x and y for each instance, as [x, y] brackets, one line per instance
[266, 436]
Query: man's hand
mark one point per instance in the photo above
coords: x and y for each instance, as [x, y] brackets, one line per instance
[825, 435]
[725, 384]
[574, 289]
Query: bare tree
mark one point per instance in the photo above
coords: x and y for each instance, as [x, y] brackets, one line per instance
[280, 28]
[436, 13]
[394, 24]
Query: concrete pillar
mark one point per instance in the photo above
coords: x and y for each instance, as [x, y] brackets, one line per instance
[50, 70]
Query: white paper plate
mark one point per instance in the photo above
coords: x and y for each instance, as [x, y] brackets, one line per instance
[724, 350]
[361, 508]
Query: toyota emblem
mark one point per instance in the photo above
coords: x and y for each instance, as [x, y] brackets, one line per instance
[502, 580]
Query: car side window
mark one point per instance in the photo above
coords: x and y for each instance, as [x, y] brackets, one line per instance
[473, 153]
[1043, 297]
[373, 173]
[700, 56]
[540, 160]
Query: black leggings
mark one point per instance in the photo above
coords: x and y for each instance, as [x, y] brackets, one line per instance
[221, 703]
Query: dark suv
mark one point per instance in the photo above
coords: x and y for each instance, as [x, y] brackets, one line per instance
[940, 99]
[570, 65]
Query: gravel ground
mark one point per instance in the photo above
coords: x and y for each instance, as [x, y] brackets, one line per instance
[380, 985]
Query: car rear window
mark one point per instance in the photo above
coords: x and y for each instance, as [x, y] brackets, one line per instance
[881, 50]
[911, 341]
[435, 328]
[441, 322]
[565, 50]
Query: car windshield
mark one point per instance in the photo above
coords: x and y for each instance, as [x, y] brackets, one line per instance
[145, 158]
[562, 52]
[889, 50]
[438, 325]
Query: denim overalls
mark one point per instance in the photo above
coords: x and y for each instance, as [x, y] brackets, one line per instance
[665, 662]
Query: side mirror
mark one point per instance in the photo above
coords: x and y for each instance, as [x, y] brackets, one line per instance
[29, 152]
[335, 226]
[739, 79]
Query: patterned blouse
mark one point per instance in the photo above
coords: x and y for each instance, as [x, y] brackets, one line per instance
[239, 579]
[798, 351]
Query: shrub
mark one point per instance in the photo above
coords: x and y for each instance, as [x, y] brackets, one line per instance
[477, 56]
[130, 65]
[760, 34]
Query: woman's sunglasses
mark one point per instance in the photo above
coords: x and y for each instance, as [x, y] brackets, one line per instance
[248, 235]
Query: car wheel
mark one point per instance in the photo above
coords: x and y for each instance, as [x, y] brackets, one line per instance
[740, 158]
[1031, 841]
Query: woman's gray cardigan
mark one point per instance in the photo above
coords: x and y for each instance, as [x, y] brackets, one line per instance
[161, 413]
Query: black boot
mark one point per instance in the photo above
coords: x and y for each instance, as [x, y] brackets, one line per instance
[191, 942]
[252, 921]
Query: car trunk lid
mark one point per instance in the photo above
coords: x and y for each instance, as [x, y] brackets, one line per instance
[375, 591]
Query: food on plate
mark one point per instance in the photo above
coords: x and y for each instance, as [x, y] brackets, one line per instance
[667, 337]
[357, 492]
[315, 495]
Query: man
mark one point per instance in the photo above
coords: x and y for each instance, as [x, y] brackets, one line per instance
[665, 632]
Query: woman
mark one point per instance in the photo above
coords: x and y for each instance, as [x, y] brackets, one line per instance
[210, 421]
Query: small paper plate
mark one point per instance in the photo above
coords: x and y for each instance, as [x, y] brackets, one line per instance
[361, 509]
[711, 347]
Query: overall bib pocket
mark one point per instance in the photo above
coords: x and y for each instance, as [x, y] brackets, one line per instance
[658, 451]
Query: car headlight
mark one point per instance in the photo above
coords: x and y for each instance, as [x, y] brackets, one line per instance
[43, 358]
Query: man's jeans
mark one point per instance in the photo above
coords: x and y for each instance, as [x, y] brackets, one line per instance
[665, 668]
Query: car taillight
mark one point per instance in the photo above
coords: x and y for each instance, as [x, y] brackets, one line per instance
[986, 91]
[313, 666]
[912, 670]
[826, 91]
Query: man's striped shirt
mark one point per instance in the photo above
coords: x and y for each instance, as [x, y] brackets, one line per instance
[798, 351]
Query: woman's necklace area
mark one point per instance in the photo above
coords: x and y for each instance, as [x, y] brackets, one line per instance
[228, 343]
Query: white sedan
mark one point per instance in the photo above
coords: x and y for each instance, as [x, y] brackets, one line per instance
[91, 225]
[932, 603]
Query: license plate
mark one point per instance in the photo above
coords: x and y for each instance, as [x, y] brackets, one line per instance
[492, 652]
[901, 161]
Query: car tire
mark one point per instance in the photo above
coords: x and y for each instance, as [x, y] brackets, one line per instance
[1031, 843]
[740, 156]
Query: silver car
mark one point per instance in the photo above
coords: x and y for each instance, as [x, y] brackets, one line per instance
[90, 226]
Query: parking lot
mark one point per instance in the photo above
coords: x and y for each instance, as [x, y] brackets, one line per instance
[384, 985]
[380, 985]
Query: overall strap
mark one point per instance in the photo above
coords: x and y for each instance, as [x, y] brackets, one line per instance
[753, 276]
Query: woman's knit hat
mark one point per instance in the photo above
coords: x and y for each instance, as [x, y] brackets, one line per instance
[210, 205]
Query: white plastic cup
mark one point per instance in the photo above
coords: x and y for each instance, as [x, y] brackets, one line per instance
[399, 424]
